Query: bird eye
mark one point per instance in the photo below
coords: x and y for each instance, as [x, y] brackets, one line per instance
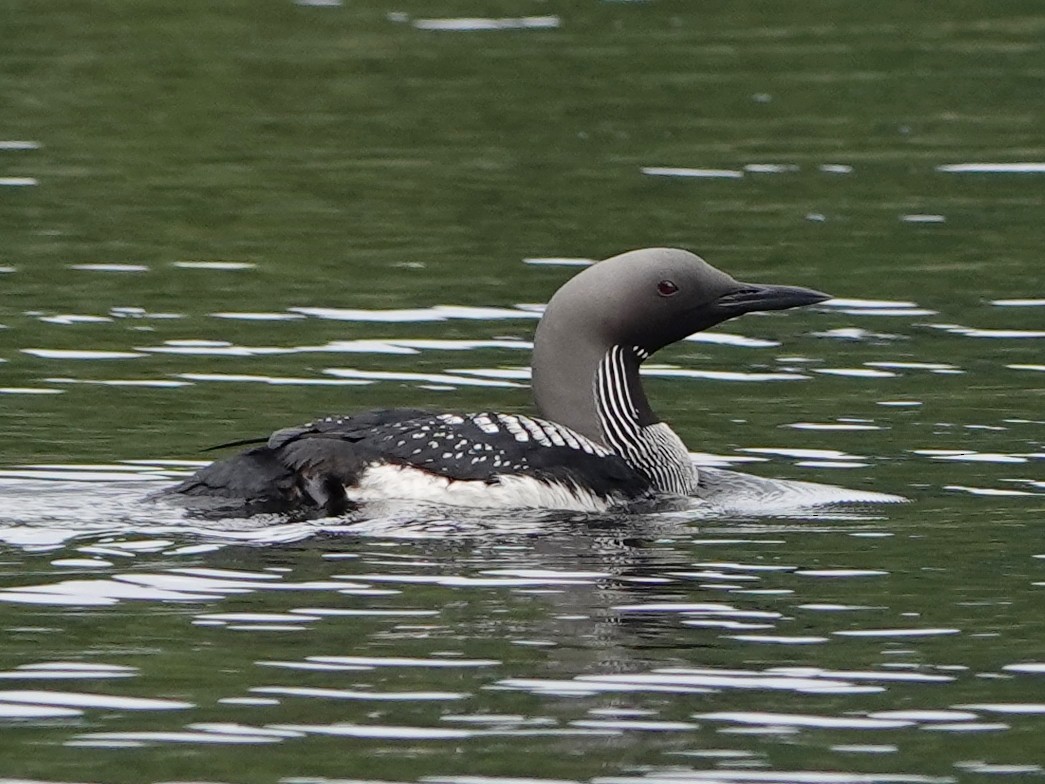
[667, 288]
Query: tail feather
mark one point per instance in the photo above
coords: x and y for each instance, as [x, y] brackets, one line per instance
[241, 442]
[256, 474]
[302, 475]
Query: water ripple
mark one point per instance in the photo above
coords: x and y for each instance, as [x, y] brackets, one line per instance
[471, 24]
[68, 671]
[110, 267]
[437, 313]
[743, 776]
[1003, 334]
[82, 700]
[53, 353]
[804, 720]
[993, 168]
[714, 174]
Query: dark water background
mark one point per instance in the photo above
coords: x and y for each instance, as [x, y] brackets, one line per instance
[204, 208]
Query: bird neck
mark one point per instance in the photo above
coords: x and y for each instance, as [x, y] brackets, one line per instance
[632, 430]
[594, 389]
[620, 401]
[583, 380]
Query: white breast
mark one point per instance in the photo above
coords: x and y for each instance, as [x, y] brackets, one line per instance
[403, 483]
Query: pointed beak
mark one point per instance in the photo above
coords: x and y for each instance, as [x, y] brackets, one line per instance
[755, 296]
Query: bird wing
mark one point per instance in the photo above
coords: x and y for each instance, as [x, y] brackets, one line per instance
[316, 461]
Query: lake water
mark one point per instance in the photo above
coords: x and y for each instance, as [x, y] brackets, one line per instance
[222, 219]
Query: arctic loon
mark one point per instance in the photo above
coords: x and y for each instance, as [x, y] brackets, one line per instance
[595, 443]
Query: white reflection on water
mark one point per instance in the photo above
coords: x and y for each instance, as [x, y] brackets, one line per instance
[67, 319]
[134, 312]
[875, 307]
[205, 348]
[994, 168]
[925, 715]
[743, 776]
[438, 378]
[971, 456]
[855, 372]
[831, 426]
[818, 454]
[344, 729]
[410, 346]
[120, 382]
[68, 671]
[453, 345]
[654, 370]
[469, 24]
[926, 632]
[274, 380]
[84, 700]
[697, 681]
[633, 725]
[729, 339]
[94, 473]
[771, 168]
[778, 639]
[206, 736]
[214, 265]
[15, 711]
[1019, 303]
[400, 346]
[868, 304]
[110, 267]
[973, 332]
[858, 334]
[933, 367]
[669, 371]
[437, 313]
[923, 218]
[866, 748]
[668, 171]
[1037, 668]
[1007, 707]
[804, 720]
[53, 353]
[257, 316]
[355, 694]
[559, 262]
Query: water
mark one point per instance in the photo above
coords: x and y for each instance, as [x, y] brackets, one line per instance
[219, 221]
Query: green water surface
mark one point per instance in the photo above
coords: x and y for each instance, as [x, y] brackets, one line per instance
[353, 158]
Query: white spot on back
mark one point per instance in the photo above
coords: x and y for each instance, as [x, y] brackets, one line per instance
[485, 423]
[535, 430]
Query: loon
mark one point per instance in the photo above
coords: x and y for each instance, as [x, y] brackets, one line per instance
[594, 445]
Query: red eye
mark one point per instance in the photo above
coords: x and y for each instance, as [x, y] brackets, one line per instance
[667, 288]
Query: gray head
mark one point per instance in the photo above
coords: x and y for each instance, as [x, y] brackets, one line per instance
[654, 297]
[645, 299]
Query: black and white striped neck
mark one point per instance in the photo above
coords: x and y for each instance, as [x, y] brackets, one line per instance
[631, 429]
